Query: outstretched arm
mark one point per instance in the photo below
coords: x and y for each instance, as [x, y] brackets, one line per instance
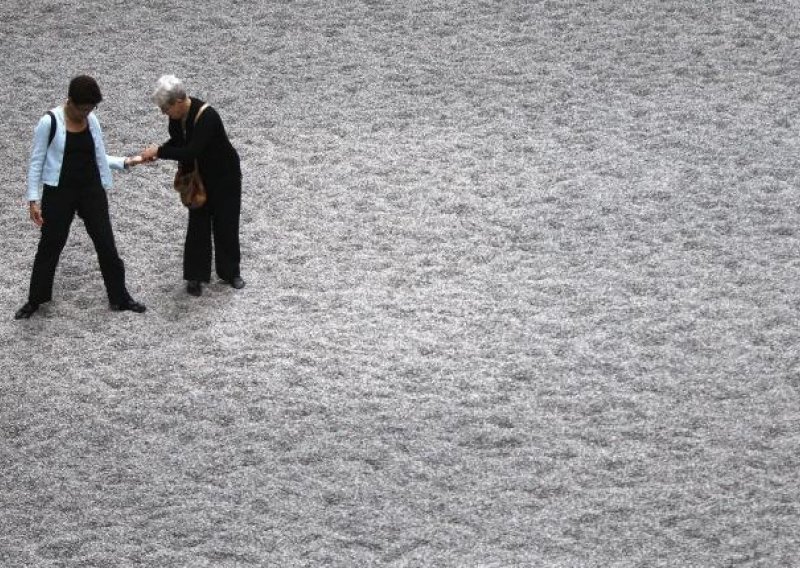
[132, 161]
[149, 154]
[204, 131]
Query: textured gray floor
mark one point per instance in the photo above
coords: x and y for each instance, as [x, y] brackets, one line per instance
[523, 290]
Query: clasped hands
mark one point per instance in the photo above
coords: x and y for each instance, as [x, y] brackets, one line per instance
[149, 154]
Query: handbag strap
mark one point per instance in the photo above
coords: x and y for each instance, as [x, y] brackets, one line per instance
[196, 118]
[199, 112]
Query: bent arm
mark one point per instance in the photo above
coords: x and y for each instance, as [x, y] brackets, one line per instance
[201, 138]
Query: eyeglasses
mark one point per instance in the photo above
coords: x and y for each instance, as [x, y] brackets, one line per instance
[85, 109]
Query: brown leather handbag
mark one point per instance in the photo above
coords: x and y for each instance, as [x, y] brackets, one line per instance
[189, 185]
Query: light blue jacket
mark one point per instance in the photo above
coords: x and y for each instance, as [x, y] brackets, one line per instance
[45, 164]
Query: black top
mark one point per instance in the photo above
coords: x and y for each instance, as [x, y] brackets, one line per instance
[207, 142]
[79, 168]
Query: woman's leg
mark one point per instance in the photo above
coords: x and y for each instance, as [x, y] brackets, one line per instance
[227, 206]
[93, 209]
[58, 211]
[197, 248]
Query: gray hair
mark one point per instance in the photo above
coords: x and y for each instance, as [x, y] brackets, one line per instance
[168, 90]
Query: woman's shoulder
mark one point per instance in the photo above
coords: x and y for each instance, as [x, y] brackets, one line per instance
[93, 120]
[198, 104]
[45, 122]
[205, 106]
[207, 110]
[56, 112]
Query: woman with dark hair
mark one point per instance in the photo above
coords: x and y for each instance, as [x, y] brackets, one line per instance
[69, 173]
[197, 135]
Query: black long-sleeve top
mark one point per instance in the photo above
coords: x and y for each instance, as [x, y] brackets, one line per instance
[207, 142]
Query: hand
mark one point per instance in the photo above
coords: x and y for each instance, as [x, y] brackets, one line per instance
[36, 213]
[150, 153]
[132, 161]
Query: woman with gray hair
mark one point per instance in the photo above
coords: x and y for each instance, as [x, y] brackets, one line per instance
[203, 140]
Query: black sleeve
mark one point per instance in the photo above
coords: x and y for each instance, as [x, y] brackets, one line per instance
[201, 137]
[173, 128]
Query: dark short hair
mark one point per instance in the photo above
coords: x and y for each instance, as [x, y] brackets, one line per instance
[84, 90]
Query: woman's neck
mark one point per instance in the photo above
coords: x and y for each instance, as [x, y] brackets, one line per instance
[187, 106]
[74, 123]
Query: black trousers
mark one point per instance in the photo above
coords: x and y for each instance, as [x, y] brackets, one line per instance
[59, 206]
[217, 219]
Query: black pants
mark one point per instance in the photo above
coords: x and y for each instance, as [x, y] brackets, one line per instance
[218, 218]
[59, 206]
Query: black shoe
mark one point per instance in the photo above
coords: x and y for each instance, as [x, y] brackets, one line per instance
[236, 282]
[194, 288]
[26, 311]
[130, 306]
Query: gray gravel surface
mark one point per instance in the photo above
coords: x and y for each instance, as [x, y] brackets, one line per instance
[522, 290]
